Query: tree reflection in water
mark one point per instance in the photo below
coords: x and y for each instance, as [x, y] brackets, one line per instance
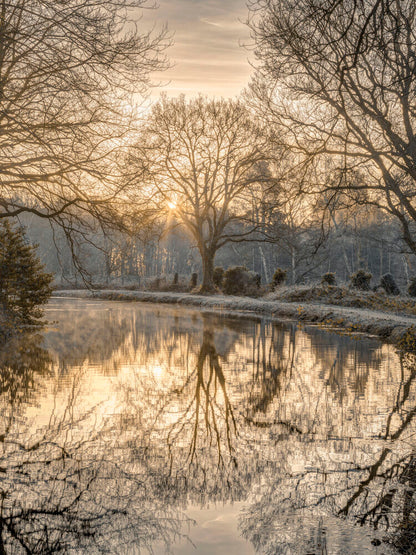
[23, 363]
[183, 426]
[63, 485]
[385, 494]
[368, 480]
[310, 430]
[235, 432]
[208, 384]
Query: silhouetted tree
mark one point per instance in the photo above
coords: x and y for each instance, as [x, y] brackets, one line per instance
[199, 161]
[338, 77]
[68, 70]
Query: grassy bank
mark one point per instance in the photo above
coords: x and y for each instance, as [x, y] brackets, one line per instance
[346, 296]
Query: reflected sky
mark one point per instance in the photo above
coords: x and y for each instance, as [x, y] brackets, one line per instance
[164, 428]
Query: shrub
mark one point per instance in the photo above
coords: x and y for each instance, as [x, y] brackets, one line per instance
[361, 280]
[389, 285]
[329, 279]
[255, 279]
[412, 287]
[236, 280]
[24, 285]
[218, 276]
[194, 279]
[407, 342]
[279, 277]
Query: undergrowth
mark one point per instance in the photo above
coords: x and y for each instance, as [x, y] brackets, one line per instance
[346, 296]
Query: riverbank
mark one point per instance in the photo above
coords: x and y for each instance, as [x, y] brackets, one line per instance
[389, 326]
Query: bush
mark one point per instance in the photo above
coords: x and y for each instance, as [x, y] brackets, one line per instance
[24, 285]
[255, 279]
[412, 287]
[361, 280]
[218, 276]
[279, 277]
[235, 280]
[329, 279]
[389, 285]
[194, 279]
[240, 281]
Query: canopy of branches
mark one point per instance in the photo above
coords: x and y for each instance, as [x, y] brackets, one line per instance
[339, 77]
[68, 70]
[204, 162]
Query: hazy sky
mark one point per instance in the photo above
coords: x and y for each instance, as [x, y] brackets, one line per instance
[207, 52]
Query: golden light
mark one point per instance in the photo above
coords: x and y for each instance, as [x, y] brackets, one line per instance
[172, 205]
[157, 371]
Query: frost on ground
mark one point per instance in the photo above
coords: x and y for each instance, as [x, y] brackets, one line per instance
[393, 324]
[346, 296]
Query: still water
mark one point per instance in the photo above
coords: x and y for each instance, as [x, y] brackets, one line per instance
[129, 428]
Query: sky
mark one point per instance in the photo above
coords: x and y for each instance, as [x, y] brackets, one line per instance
[207, 54]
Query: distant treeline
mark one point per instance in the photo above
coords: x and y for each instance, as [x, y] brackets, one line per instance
[365, 239]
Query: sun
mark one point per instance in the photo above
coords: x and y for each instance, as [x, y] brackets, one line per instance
[172, 205]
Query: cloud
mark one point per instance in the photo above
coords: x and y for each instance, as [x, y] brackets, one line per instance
[213, 23]
[207, 50]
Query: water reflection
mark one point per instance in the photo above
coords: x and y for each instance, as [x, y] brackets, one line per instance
[65, 485]
[128, 419]
[371, 483]
[23, 364]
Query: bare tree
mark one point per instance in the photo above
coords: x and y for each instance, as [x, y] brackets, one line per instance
[200, 161]
[339, 77]
[68, 73]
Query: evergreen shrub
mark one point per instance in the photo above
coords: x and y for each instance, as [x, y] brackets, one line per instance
[218, 276]
[24, 284]
[389, 285]
[329, 279]
[279, 277]
[361, 280]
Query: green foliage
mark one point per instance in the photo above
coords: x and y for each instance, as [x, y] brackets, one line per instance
[412, 287]
[389, 285]
[24, 285]
[329, 279]
[361, 280]
[218, 276]
[279, 277]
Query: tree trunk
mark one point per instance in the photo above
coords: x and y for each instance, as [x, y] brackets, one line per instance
[263, 258]
[207, 256]
[406, 269]
[293, 260]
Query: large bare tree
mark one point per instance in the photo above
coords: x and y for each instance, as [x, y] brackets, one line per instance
[202, 162]
[340, 77]
[69, 70]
